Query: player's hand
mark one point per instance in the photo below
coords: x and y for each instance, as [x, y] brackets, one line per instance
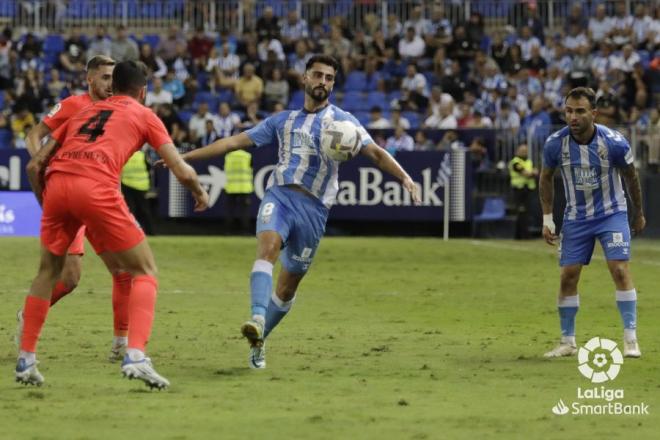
[410, 186]
[549, 236]
[638, 224]
[160, 163]
[201, 201]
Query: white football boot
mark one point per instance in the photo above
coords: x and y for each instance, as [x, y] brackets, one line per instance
[562, 350]
[631, 349]
[144, 371]
[27, 374]
[257, 357]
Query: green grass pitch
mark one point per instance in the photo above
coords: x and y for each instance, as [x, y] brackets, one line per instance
[389, 339]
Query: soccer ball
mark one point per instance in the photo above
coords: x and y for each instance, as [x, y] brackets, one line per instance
[340, 140]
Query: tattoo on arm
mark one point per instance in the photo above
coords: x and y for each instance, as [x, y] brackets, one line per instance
[547, 189]
[633, 186]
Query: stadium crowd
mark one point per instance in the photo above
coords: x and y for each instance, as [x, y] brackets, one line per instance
[420, 72]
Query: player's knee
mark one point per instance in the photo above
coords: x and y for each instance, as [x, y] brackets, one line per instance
[268, 251]
[620, 274]
[569, 280]
[286, 293]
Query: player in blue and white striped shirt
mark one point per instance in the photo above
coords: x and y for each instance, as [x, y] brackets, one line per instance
[592, 159]
[301, 189]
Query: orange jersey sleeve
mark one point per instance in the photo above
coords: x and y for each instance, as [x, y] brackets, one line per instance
[65, 109]
[157, 134]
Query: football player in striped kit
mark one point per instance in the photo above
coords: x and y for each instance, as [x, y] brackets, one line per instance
[592, 158]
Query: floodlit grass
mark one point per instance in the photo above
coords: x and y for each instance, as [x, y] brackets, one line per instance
[389, 339]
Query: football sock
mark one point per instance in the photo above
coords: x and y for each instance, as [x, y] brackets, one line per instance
[141, 309]
[59, 291]
[568, 308]
[29, 357]
[261, 284]
[277, 310]
[134, 354]
[35, 311]
[121, 294]
[626, 302]
[119, 340]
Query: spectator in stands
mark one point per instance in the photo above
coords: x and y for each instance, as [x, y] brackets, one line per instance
[374, 79]
[580, 75]
[5, 64]
[158, 95]
[297, 62]
[536, 126]
[444, 119]
[456, 83]
[169, 117]
[393, 29]
[32, 91]
[441, 64]
[167, 47]
[462, 48]
[251, 56]
[527, 41]
[416, 85]
[29, 44]
[359, 50]
[376, 119]
[475, 28]
[621, 32]
[517, 101]
[479, 154]
[210, 134]
[55, 85]
[22, 120]
[399, 141]
[642, 27]
[227, 64]
[197, 123]
[608, 105]
[553, 84]
[276, 89]
[378, 46]
[175, 86]
[450, 141]
[507, 120]
[599, 26]
[528, 86]
[73, 59]
[268, 25]
[629, 58]
[181, 138]
[155, 63]
[123, 48]
[227, 122]
[249, 87]
[100, 44]
[252, 116]
[412, 46]
[576, 17]
[270, 45]
[417, 21]
[513, 61]
[396, 120]
[536, 64]
[575, 39]
[199, 47]
[338, 47]
[182, 64]
[394, 68]
[423, 143]
[293, 29]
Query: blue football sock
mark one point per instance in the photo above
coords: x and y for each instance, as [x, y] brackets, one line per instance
[626, 302]
[277, 310]
[568, 308]
[261, 284]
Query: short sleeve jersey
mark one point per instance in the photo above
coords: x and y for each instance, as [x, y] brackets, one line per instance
[64, 109]
[99, 140]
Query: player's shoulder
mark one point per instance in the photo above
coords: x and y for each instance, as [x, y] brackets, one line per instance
[339, 114]
[610, 136]
[77, 100]
[555, 139]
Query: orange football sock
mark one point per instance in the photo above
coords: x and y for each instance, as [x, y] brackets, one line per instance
[141, 308]
[121, 294]
[35, 311]
[59, 291]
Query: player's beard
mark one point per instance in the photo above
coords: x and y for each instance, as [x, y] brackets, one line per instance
[318, 93]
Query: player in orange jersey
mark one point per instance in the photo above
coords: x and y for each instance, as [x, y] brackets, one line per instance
[82, 188]
[99, 81]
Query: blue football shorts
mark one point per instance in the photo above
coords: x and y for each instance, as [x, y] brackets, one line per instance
[577, 239]
[299, 219]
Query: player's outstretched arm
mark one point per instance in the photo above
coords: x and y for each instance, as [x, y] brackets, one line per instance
[34, 137]
[37, 166]
[387, 163]
[184, 174]
[635, 193]
[219, 147]
[547, 196]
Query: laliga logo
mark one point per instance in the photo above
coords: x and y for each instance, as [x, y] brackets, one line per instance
[6, 215]
[600, 360]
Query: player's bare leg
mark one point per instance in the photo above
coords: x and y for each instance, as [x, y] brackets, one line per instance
[269, 244]
[568, 303]
[35, 310]
[139, 262]
[626, 301]
[121, 291]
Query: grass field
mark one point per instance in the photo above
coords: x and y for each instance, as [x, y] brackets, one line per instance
[389, 339]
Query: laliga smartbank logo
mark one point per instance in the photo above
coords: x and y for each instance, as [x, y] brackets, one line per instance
[600, 361]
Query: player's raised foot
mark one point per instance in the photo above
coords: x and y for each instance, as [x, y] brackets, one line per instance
[117, 351]
[253, 330]
[27, 374]
[631, 349]
[144, 371]
[562, 350]
[19, 328]
[257, 357]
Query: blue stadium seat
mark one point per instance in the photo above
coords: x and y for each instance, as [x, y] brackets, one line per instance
[7, 8]
[106, 9]
[226, 95]
[78, 9]
[173, 8]
[494, 209]
[210, 98]
[185, 116]
[152, 40]
[53, 44]
[356, 81]
[152, 10]
[645, 58]
[5, 138]
[354, 101]
[393, 95]
[297, 100]
[362, 117]
[377, 99]
[413, 118]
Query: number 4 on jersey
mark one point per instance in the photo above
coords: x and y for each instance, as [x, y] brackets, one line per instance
[93, 128]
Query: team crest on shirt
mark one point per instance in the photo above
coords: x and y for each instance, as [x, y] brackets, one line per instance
[302, 143]
[56, 108]
[602, 152]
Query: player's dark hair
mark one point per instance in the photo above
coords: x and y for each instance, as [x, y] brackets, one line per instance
[99, 60]
[323, 59]
[129, 77]
[583, 92]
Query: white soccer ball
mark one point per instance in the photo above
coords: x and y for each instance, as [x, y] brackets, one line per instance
[340, 140]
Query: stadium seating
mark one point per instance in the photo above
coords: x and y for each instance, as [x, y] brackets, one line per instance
[356, 81]
[377, 99]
